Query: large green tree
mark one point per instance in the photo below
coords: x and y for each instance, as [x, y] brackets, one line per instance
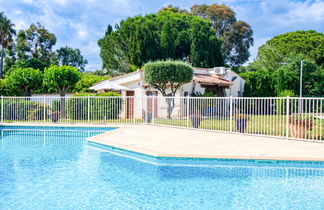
[34, 46]
[167, 41]
[306, 44]
[113, 53]
[66, 56]
[168, 34]
[258, 84]
[7, 33]
[236, 35]
[286, 78]
[205, 48]
[63, 79]
[87, 80]
[25, 80]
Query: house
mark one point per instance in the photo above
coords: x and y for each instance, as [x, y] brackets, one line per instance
[221, 81]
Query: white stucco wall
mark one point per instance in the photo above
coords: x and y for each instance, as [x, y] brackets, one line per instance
[237, 88]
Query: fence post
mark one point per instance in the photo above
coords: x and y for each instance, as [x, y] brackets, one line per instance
[153, 108]
[88, 109]
[188, 101]
[287, 117]
[231, 113]
[134, 109]
[44, 102]
[146, 109]
[2, 101]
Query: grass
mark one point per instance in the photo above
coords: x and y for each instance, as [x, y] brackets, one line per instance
[271, 125]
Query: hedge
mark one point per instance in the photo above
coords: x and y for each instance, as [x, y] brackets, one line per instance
[101, 108]
[24, 110]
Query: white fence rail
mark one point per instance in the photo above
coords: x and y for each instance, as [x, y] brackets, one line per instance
[290, 118]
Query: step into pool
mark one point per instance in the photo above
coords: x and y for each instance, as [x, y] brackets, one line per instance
[56, 168]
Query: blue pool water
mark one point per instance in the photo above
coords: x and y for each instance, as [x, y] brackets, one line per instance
[55, 168]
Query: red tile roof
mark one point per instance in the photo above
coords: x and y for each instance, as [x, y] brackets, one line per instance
[206, 79]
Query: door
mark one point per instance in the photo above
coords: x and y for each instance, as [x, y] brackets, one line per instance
[130, 104]
[150, 103]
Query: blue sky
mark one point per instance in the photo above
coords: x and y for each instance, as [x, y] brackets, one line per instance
[80, 23]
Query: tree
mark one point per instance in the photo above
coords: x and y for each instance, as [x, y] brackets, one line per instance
[34, 46]
[25, 79]
[167, 41]
[165, 35]
[87, 80]
[237, 42]
[113, 53]
[205, 47]
[167, 77]
[7, 32]
[66, 56]
[258, 84]
[199, 10]
[171, 8]
[63, 78]
[236, 35]
[307, 44]
[287, 77]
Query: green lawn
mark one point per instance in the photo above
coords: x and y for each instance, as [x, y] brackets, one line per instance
[272, 125]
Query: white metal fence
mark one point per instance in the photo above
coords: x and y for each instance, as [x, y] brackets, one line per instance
[286, 117]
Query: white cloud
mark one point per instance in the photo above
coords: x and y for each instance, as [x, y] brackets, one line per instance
[28, 1]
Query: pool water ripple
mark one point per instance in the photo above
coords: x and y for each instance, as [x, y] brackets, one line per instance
[42, 169]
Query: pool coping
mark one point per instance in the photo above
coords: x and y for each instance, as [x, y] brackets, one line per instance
[155, 154]
[104, 139]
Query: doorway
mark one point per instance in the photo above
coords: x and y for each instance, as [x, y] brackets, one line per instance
[130, 104]
[150, 103]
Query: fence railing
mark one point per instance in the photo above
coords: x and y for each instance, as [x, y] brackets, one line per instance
[285, 117]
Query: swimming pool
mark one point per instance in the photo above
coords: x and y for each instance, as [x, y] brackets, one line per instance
[55, 168]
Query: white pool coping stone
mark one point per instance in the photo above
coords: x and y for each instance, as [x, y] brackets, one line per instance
[174, 142]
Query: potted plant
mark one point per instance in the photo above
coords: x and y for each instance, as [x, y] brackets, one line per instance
[55, 116]
[199, 108]
[298, 127]
[196, 120]
[241, 122]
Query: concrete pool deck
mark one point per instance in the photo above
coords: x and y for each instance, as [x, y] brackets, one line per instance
[174, 142]
[162, 141]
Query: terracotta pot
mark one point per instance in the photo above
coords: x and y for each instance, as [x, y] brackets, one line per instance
[299, 127]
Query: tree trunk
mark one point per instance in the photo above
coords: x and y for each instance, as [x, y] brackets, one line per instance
[62, 105]
[170, 102]
[1, 62]
[28, 94]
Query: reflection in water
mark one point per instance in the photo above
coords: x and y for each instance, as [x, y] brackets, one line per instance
[44, 138]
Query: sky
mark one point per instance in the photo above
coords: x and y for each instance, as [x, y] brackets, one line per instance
[80, 23]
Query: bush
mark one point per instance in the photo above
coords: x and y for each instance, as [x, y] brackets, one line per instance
[101, 108]
[87, 80]
[23, 110]
[159, 74]
[281, 104]
[167, 77]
